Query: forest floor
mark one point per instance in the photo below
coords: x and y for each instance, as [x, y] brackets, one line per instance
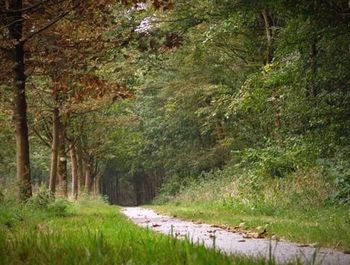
[233, 241]
[92, 232]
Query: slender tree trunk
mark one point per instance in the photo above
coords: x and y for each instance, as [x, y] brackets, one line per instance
[98, 184]
[80, 166]
[19, 101]
[88, 177]
[75, 180]
[54, 150]
[269, 36]
[62, 162]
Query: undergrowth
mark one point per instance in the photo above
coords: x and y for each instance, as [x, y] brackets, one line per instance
[308, 205]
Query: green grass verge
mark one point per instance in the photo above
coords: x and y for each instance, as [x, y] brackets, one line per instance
[93, 233]
[327, 227]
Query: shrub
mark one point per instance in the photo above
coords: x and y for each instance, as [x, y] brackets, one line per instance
[41, 199]
[338, 171]
[277, 160]
[169, 189]
[60, 207]
[44, 200]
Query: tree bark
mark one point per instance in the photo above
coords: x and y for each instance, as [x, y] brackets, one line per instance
[80, 166]
[269, 36]
[62, 162]
[54, 151]
[98, 184]
[88, 177]
[20, 104]
[75, 180]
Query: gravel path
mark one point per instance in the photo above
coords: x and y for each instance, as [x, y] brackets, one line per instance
[232, 243]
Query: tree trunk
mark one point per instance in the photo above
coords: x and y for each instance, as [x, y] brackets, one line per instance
[20, 104]
[98, 184]
[62, 162]
[88, 177]
[80, 166]
[75, 180]
[54, 151]
[269, 36]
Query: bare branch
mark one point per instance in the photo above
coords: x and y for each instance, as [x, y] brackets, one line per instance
[44, 141]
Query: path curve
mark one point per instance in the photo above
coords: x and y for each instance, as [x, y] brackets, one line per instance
[233, 243]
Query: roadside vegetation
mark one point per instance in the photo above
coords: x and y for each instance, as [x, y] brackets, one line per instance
[296, 208]
[47, 231]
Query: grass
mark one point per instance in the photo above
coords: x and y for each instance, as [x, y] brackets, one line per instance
[324, 227]
[293, 208]
[92, 232]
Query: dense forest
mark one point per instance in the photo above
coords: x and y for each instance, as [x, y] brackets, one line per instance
[131, 96]
[223, 104]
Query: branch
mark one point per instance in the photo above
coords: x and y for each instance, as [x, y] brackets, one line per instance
[25, 9]
[41, 138]
[31, 8]
[53, 22]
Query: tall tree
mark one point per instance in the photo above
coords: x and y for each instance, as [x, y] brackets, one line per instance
[15, 27]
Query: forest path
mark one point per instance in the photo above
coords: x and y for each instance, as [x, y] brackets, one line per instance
[233, 243]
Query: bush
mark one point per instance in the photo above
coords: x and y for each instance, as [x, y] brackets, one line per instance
[338, 171]
[60, 207]
[41, 199]
[277, 160]
[11, 213]
[169, 189]
[44, 200]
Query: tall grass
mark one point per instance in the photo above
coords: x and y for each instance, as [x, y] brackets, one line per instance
[295, 207]
[92, 232]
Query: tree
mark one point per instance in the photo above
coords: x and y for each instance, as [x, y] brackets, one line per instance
[25, 20]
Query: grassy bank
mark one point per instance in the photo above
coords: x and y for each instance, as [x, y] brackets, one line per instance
[91, 232]
[326, 227]
[294, 208]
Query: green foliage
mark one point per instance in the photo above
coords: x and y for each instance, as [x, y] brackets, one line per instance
[329, 227]
[296, 207]
[60, 207]
[277, 161]
[338, 172]
[262, 87]
[99, 234]
[44, 200]
[41, 199]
